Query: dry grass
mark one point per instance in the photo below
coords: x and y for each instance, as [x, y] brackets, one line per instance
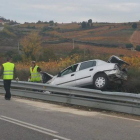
[33, 24]
[66, 48]
[135, 38]
[68, 26]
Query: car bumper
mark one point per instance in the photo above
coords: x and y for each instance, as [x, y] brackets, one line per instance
[116, 75]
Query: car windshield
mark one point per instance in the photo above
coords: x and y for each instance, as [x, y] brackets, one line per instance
[69, 70]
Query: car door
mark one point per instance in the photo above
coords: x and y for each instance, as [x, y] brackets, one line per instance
[84, 75]
[67, 77]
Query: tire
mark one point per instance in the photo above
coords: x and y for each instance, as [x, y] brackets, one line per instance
[100, 81]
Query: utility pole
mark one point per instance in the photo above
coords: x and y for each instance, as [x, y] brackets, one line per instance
[84, 53]
[18, 48]
[73, 43]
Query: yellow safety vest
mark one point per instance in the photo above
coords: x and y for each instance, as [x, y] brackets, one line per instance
[8, 72]
[35, 75]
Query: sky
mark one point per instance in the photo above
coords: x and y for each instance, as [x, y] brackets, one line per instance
[68, 11]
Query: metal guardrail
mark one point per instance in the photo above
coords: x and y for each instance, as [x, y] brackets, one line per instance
[115, 101]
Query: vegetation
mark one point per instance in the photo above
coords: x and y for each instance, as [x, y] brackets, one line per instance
[129, 45]
[138, 47]
[8, 31]
[87, 24]
[51, 45]
[31, 47]
[53, 67]
[134, 25]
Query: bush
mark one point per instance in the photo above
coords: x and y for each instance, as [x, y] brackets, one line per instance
[129, 45]
[8, 32]
[76, 50]
[47, 55]
[134, 25]
[84, 24]
[138, 47]
[51, 22]
[46, 28]
[16, 58]
[22, 74]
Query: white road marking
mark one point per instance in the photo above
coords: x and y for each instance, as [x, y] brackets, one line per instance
[38, 127]
[119, 117]
[32, 128]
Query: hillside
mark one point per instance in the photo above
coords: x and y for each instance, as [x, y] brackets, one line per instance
[108, 38]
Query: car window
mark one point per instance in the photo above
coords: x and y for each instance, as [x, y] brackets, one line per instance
[74, 67]
[69, 70]
[88, 64]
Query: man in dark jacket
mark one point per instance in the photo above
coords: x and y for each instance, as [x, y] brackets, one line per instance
[8, 70]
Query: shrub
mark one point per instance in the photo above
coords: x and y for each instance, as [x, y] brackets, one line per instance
[84, 24]
[16, 58]
[47, 55]
[76, 50]
[138, 47]
[134, 25]
[129, 45]
[8, 32]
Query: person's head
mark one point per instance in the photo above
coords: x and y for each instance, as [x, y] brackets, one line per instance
[33, 64]
[8, 59]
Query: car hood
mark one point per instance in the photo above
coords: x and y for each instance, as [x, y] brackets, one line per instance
[46, 77]
[116, 59]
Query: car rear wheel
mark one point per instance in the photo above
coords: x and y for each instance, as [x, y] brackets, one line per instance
[100, 81]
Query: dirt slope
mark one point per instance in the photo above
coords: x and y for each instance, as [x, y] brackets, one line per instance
[135, 38]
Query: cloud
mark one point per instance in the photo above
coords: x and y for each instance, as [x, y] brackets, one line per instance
[123, 7]
[70, 10]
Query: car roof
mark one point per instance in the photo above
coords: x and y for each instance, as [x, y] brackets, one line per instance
[97, 60]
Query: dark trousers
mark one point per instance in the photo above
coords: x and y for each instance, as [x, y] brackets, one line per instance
[7, 85]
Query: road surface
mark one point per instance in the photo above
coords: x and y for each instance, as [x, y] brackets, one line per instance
[27, 119]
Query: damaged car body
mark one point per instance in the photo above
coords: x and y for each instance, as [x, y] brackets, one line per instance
[97, 73]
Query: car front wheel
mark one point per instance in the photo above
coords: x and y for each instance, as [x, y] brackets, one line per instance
[100, 81]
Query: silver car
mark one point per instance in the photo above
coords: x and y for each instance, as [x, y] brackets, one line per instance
[95, 72]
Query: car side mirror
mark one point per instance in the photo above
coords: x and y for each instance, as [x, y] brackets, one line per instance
[59, 74]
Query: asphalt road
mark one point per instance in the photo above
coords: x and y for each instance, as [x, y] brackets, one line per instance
[26, 120]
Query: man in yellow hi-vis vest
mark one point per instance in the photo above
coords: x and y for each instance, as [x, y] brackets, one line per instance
[8, 70]
[35, 73]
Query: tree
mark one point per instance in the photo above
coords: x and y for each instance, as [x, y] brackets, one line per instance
[31, 47]
[129, 45]
[84, 24]
[90, 21]
[51, 22]
[134, 25]
[39, 22]
[47, 55]
[138, 47]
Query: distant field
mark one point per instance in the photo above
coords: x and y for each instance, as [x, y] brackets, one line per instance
[33, 24]
[66, 48]
[113, 33]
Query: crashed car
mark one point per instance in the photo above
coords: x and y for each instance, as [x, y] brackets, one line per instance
[96, 72]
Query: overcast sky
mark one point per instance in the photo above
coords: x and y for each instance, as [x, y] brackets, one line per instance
[71, 10]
